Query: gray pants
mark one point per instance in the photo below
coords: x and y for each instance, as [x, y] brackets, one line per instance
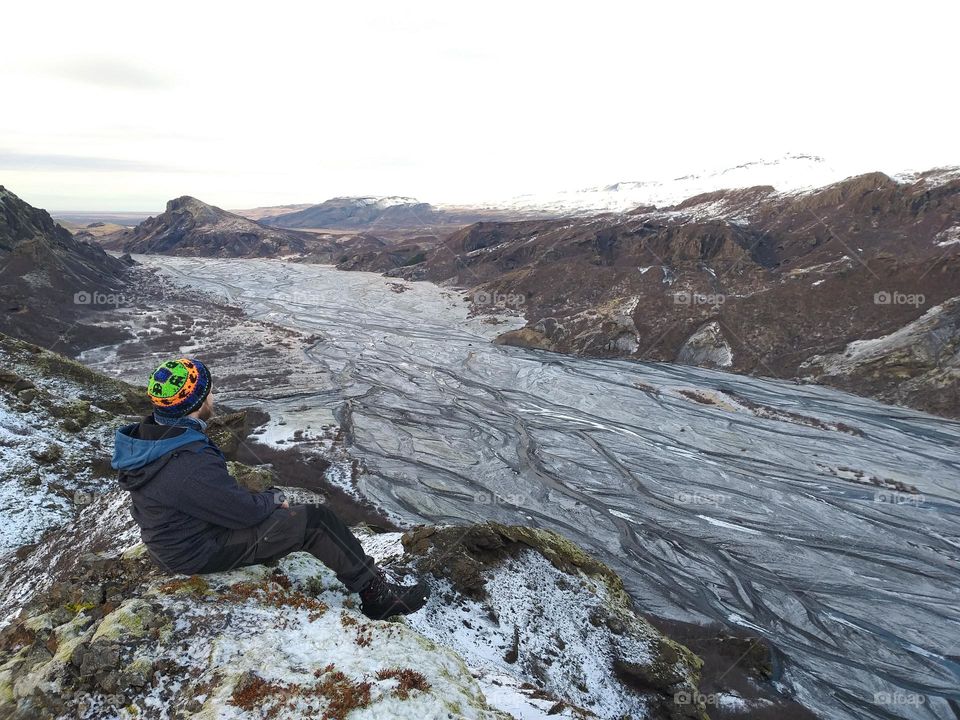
[312, 528]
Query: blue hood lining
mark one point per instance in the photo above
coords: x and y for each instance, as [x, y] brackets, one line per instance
[130, 453]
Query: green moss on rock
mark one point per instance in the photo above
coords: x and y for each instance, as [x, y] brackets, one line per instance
[132, 619]
[254, 479]
[111, 394]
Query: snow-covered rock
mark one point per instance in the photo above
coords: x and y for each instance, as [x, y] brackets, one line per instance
[707, 347]
[920, 362]
[280, 641]
[57, 420]
[526, 627]
[528, 602]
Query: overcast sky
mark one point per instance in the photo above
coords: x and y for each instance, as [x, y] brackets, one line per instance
[123, 105]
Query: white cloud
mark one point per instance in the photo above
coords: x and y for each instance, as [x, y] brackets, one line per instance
[247, 104]
[105, 71]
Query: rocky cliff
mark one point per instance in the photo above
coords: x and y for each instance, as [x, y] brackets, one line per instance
[52, 284]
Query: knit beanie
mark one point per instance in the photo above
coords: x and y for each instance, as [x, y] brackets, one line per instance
[179, 387]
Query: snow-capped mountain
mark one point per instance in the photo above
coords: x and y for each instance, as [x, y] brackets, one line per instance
[356, 212]
[788, 173]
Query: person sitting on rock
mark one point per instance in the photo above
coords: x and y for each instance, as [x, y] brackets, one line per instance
[195, 518]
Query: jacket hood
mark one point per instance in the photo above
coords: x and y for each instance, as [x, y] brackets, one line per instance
[132, 455]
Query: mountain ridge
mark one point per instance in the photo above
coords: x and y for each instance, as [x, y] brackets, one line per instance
[757, 280]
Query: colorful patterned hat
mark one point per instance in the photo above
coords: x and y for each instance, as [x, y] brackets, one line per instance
[179, 387]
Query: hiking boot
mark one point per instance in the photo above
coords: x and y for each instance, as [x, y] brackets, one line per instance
[384, 598]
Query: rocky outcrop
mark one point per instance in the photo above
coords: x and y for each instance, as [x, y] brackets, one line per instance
[917, 365]
[525, 337]
[114, 637]
[630, 665]
[381, 259]
[707, 347]
[193, 228]
[106, 630]
[51, 283]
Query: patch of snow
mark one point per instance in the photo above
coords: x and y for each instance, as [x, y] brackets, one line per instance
[28, 512]
[950, 236]
[931, 178]
[34, 495]
[518, 699]
[728, 525]
[382, 547]
[547, 609]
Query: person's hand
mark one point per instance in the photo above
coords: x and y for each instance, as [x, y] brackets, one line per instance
[279, 498]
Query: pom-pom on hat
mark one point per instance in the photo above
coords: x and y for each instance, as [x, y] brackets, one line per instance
[179, 387]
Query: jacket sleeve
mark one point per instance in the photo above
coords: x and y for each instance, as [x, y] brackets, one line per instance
[211, 494]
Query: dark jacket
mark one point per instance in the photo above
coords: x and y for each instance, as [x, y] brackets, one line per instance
[184, 500]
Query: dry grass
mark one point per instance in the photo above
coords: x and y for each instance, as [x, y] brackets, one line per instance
[407, 680]
[341, 695]
[194, 584]
[268, 592]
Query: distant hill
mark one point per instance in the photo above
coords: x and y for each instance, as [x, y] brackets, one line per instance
[194, 228]
[50, 280]
[259, 213]
[380, 214]
[71, 219]
[360, 212]
[91, 231]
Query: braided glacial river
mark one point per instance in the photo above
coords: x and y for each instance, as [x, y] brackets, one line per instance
[760, 504]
